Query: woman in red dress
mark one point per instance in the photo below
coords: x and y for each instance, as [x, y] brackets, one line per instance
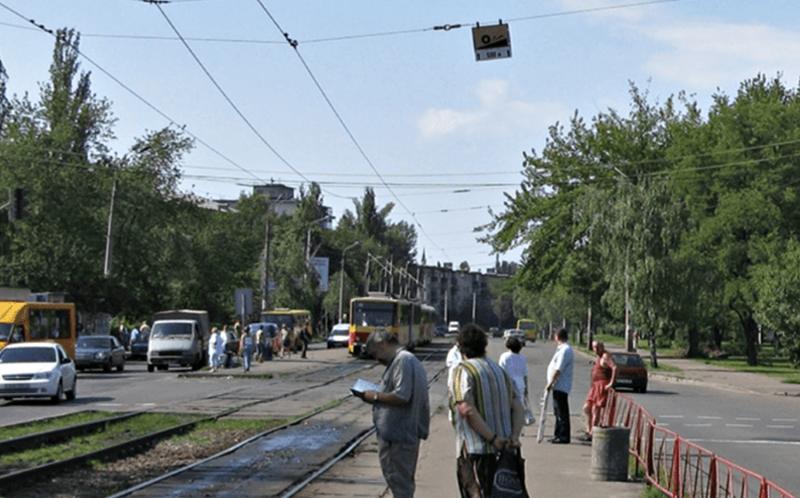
[604, 372]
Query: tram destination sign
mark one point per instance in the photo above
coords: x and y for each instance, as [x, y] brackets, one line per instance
[491, 42]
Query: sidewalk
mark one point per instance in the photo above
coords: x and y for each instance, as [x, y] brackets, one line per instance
[726, 378]
[552, 471]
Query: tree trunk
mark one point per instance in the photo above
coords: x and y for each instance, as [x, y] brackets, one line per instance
[694, 343]
[751, 336]
[716, 335]
[653, 353]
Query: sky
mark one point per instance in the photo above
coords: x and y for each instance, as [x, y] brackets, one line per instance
[446, 132]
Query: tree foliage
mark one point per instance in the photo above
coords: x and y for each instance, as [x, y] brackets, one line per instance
[691, 207]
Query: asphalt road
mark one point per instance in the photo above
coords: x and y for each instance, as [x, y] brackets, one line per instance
[758, 432]
[133, 389]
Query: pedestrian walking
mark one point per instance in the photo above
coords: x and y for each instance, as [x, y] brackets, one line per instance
[225, 338]
[516, 366]
[487, 414]
[284, 340]
[305, 338]
[246, 345]
[400, 411]
[559, 381]
[604, 373]
[260, 344]
[213, 349]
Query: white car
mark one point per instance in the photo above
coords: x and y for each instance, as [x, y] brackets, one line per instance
[518, 333]
[37, 369]
[339, 336]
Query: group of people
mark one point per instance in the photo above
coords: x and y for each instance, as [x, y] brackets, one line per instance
[253, 342]
[488, 405]
[128, 337]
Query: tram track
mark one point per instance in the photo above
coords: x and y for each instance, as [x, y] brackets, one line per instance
[10, 480]
[249, 465]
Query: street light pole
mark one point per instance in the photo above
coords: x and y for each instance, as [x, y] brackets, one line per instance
[341, 276]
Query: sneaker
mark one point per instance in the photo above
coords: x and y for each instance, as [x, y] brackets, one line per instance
[586, 438]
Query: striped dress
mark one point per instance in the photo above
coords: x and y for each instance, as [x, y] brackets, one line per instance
[482, 383]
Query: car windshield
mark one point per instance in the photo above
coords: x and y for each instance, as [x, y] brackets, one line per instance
[374, 314]
[341, 330]
[28, 355]
[625, 360]
[5, 331]
[94, 342]
[172, 329]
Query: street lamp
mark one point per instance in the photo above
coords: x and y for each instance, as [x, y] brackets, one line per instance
[308, 234]
[341, 276]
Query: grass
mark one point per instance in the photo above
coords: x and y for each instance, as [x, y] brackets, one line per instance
[666, 368]
[126, 430]
[779, 368]
[203, 433]
[651, 492]
[49, 424]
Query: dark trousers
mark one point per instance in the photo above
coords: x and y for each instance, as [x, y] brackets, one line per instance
[561, 411]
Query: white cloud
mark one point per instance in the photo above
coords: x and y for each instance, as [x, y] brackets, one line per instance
[497, 112]
[708, 55]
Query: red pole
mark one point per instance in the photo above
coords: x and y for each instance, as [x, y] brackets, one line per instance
[712, 477]
[676, 487]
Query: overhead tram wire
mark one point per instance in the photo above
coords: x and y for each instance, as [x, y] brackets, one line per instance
[357, 36]
[133, 92]
[293, 44]
[228, 99]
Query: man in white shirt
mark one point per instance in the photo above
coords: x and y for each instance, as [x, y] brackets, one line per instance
[559, 380]
[453, 358]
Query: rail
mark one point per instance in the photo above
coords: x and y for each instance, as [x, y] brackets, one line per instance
[678, 467]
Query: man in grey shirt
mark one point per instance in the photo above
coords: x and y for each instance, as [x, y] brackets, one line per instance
[400, 411]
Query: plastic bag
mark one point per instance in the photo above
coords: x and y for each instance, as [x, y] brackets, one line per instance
[509, 479]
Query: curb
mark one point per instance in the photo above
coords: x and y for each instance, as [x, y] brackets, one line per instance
[726, 387]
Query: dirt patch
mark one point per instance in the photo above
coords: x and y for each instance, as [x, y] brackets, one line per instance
[104, 478]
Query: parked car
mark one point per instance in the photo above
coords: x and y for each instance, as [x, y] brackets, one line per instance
[518, 333]
[99, 351]
[495, 332]
[339, 335]
[631, 371]
[139, 347]
[440, 330]
[40, 369]
[452, 328]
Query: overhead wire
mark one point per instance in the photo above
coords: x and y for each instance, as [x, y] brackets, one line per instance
[293, 44]
[132, 92]
[358, 36]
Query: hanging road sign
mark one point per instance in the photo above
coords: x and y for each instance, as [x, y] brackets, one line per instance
[491, 42]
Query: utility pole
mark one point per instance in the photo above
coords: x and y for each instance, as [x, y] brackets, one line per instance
[628, 335]
[265, 281]
[107, 262]
[474, 305]
[446, 296]
[341, 276]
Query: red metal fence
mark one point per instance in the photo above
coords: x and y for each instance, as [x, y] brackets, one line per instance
[678, 467]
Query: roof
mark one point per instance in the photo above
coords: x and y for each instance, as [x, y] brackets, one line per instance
[31, 345]
[9, 310]
[286, 312]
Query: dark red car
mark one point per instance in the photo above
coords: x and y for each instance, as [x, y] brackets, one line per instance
[631, 371]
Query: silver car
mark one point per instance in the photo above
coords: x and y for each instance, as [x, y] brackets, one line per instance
[37, 370]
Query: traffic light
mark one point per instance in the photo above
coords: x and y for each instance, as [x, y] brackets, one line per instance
[16, 206]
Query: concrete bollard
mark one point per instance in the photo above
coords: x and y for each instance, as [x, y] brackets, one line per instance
[610, 453]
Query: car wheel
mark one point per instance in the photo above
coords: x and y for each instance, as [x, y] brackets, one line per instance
[107, 368]
[59, 393]
[74, 392]
[163, 367]
[150, 367]
[643, 389]
[121, 367]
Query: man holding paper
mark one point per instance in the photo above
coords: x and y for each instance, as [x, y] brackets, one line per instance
[400, 411]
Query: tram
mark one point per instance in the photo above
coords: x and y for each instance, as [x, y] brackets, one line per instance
[411, 321]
